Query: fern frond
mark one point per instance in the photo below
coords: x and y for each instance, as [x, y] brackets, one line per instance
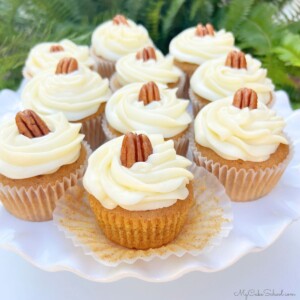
[237, 11]
[169, 17]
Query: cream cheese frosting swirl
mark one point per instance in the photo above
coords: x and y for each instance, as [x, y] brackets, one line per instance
[190, 48]
[40, 58]
[112, 41]
[213, 80]
[158, 182]
[234, 133]
[168, 116]
[162, 70]
[77, 94]
[22, 157]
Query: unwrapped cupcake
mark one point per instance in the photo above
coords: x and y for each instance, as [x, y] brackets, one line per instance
[40, 159]
[114, 39]
[241, 141]
[76, 91]
[46, 55]
[196, 45]
[148, 64]
[149, 107]
[220, 78]
[139, 190]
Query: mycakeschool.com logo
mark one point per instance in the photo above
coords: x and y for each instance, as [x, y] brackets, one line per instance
[252, 293]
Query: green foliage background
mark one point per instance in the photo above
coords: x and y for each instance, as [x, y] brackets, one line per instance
[260, 28]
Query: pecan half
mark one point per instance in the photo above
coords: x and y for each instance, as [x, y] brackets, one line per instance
[56, 48]
[146, 54]
[149, 92]
[245, 98]
[120, 19]
[236, 59]
[30, 124]
[66, 65]
[135, 148]
[208, 29]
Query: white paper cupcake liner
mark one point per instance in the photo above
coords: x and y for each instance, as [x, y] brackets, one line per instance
[243, 185]
[104, 67]
[37, 203]
[115, 85]
[196, 103]
[92, 129]
[181, 144]
[209, 221]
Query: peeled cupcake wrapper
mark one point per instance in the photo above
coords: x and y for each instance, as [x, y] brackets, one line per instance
[105, 68]
[181, 144]
[92, 129]
[115, 85]
[37, 203]
[243, 185]
[209, 221]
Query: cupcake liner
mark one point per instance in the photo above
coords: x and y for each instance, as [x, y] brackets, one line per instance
[37, 203]
[209, 221]
[92, 129]
[243, 185]
[181, 144]
[104, 67]
[196, 103]
[115, 85]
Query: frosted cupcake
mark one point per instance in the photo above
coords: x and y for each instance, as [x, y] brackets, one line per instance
[241, 141]
[46, 55]
[146, 65]
[114, 39]
[76, 91]
[139, 190]
[149, 107]
[221, 77]
[196, 45]
[40, 159]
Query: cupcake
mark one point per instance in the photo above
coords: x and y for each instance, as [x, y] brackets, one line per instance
[220, 78]
[148, 64]
[139, 190]
[46, 55]
[149, 107]
[40, 159]
[196, 45]
[114, 39]
[76, 91]
[241, 141]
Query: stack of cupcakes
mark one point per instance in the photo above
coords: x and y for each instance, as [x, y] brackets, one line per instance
[124, 91]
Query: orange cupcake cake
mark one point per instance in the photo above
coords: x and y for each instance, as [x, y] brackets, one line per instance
[241, 141]
[139, 190]
[76, 91]
[115, 38]
[40, 159]
[148, 64]
[149, 107]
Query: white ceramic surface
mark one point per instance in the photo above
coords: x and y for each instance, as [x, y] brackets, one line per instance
[256, 225]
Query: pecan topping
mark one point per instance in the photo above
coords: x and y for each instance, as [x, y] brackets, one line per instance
[56, 48]
[149, 92]
[66, 65]
[135, 148]
[120, 19]
[30, 124]
[245, 98]
[146, 54]
[236, 59]
[208, 29]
